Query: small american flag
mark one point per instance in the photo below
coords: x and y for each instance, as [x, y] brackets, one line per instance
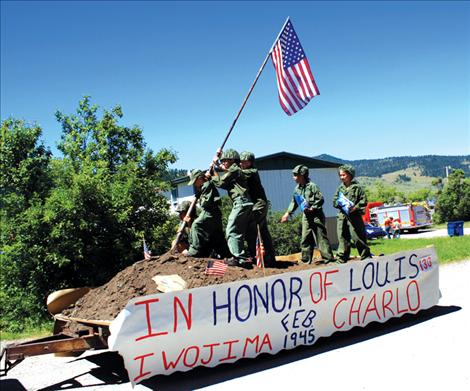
[295, 82]
[215, 268]
[147, 252]
[259, 251]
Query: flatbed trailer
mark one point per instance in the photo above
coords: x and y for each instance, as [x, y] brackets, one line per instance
[93, 336]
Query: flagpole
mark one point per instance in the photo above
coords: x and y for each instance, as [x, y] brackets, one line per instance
[253, 85]
[193, 203]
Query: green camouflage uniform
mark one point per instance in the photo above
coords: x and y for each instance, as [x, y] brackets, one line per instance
[350, 228]
[313, 223]
[185, 234]
[207, 233]
[235, 182]
[259, 218]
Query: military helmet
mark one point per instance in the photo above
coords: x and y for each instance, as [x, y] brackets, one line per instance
[230, 154]
[246, 155]
[349, 169]
[193, 175]
[183, 207]
[300, 170]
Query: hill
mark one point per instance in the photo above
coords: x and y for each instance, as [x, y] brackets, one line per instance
[428, 165]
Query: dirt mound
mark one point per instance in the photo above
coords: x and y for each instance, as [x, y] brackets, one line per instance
[105, 302]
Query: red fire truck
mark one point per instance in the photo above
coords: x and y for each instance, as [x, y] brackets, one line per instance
[412, 217]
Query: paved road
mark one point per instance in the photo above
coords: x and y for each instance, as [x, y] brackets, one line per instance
[429, 233]
[427, 351]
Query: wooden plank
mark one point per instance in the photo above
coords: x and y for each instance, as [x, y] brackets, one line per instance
[58, 344]
[88, 322]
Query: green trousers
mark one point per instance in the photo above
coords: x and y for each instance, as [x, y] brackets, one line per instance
[259, 218]
[207, 235]
[237, 225]
[351, 229]
[314, 232]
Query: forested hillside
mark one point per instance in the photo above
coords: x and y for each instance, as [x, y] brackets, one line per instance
[430, 165]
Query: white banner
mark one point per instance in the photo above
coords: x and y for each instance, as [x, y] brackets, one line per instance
[177, 331]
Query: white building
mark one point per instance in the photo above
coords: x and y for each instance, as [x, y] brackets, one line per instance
[276, 176]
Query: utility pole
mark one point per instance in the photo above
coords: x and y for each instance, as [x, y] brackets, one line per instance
[448, 170]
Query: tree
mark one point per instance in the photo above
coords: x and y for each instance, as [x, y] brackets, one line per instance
[77, 220]
[385, 194]
[286, 237]
[24, 165]
[420, 195]
[25, 183]
[453, 203]
[438, 184]
[108, 195]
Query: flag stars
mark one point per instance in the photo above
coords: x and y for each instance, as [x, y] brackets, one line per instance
[295, 86]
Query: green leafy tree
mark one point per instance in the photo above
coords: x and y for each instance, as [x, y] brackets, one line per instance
[286, 236]
[438, 184]
[108, 195]
[402, 178]
[24, 165]
[25, 183]
[79, 219]
[384, 193]
[453, 203]
[420, 195]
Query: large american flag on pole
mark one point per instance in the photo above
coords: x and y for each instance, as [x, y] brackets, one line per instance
[295, 82]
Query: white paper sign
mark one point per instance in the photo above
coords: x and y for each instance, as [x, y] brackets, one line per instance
[170, 283]
[212, 325]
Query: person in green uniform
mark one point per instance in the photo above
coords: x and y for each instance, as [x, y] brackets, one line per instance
[182, 210]
[259, 212]
[235, 182]
[206, 238]
[351, 201]
[308, 197]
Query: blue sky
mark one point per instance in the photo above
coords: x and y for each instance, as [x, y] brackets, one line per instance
[394, 77]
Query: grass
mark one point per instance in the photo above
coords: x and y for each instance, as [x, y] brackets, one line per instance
[39, 331]
[448, 249]
[466, 224]
[417, 181]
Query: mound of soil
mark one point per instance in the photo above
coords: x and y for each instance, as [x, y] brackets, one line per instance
[105, 302]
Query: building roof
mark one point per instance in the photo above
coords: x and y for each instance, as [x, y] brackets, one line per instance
[280, 161]
[287, 161]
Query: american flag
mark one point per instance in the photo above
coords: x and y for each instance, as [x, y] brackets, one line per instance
[295, 82]
[259, 251]
[147, 252]
[215, 268]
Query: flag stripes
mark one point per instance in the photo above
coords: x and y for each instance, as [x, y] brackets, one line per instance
[260, 252]
[295, 82]
[215, 268]
[147, 252]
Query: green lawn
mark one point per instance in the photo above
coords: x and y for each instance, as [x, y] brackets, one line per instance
[466, 224]
[448, 249]
[42, 330]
